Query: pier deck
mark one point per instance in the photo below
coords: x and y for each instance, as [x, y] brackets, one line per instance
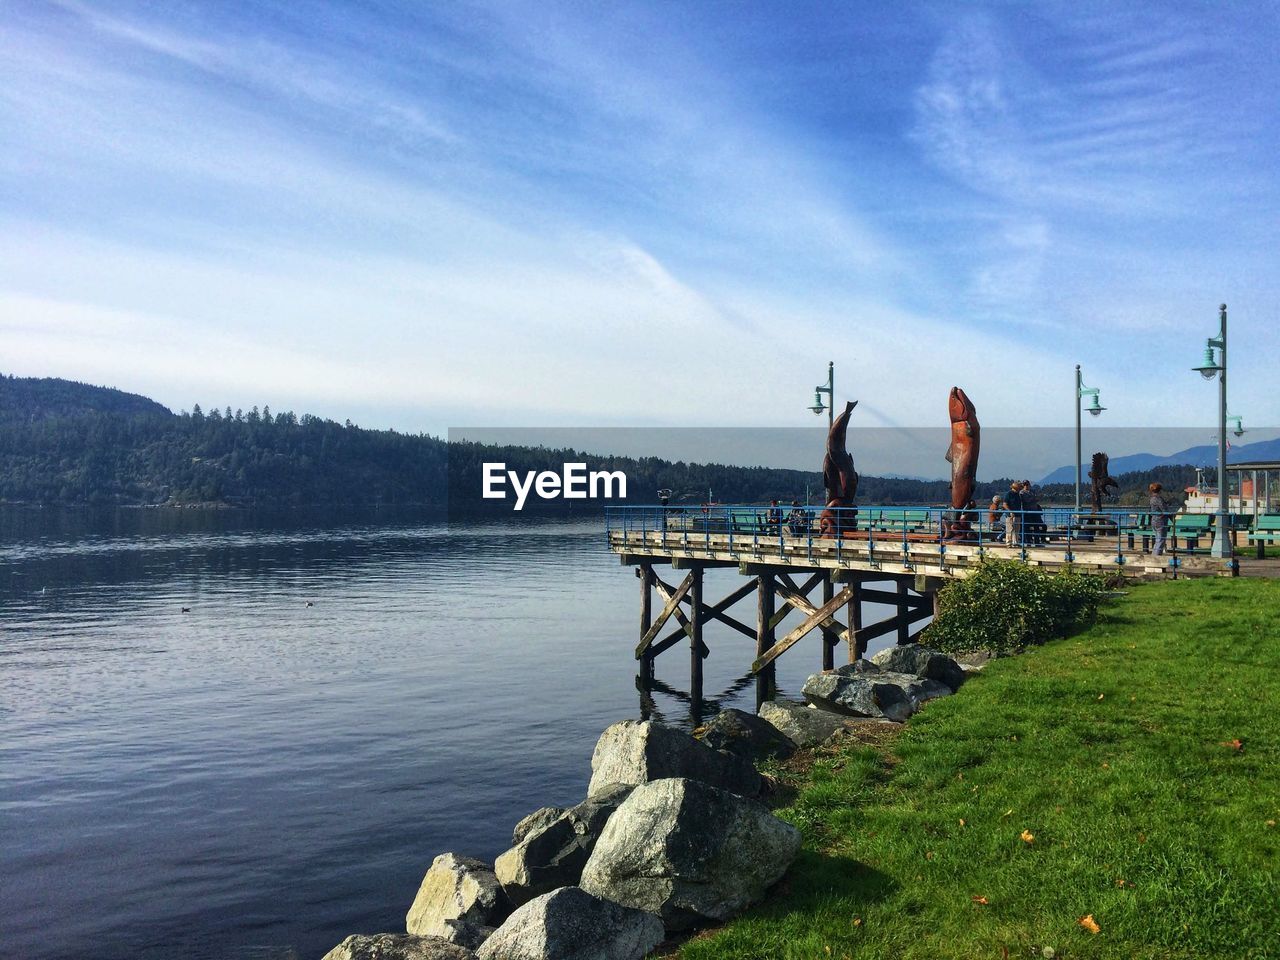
[894, 556]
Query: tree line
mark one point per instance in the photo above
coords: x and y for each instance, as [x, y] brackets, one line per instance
[66, 442]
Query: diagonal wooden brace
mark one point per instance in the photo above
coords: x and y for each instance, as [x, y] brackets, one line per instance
[818, 616]
[808, 609]
[672, 606]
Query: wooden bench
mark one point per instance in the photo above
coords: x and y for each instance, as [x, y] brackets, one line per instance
[1265, 530]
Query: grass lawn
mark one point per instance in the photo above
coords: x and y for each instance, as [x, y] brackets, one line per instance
[1095, 776]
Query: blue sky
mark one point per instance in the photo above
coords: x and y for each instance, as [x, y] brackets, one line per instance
[433, 215]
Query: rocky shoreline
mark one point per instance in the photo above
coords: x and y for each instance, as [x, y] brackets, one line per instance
[672, 836]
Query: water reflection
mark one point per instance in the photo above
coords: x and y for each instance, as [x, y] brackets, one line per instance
[344, 698]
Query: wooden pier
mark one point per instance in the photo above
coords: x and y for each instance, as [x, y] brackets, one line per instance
[826, 580]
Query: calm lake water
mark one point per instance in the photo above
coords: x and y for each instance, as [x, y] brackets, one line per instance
[343, 699]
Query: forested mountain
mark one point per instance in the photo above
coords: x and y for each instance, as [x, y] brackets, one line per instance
[66, 442]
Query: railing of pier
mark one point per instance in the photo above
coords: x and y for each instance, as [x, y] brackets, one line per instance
[1056, 531]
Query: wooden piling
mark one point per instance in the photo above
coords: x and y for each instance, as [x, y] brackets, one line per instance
[904, 624]
[695, 636]
[645, 572]
[857, 644]
[766, 679]
[829, 637]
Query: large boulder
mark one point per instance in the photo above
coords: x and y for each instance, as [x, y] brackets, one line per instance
[862, 689]
[571, 924]
[746, 736]
[397, 946]
[553, 855]
[637, 751]
[689, 852]
[540, 818]
[460, 900]
[800, 723]
[922, 661]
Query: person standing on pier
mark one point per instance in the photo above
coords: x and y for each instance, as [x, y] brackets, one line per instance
[774, 517]
[1159, 518]
[993, 518]
[1013, 514]
[798, 520]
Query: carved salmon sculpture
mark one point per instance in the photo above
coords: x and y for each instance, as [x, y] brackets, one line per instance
[838, 476]
[963, 452]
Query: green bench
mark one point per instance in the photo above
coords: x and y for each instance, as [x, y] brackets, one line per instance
[1266, 529]
[1191, 527]
[901, 521]
[750, 521]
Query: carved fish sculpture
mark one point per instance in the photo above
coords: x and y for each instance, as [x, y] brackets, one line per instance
[838, 476]
[962, 454]
[1103, 482]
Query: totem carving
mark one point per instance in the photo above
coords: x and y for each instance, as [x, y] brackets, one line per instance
[962, 454]
[839, 477]
[1102, 480]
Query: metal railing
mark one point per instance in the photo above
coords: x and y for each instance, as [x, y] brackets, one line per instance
[1061, 531]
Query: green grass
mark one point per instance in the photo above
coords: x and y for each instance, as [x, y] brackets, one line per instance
[1111, 748]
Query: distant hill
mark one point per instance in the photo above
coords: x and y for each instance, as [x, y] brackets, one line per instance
[52, 397]
[65, 442]
[1199, 456]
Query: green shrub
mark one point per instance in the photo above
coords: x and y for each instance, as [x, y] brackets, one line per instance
[1007, 605]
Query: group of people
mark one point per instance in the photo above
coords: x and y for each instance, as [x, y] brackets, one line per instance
[1020, 515]
[1016, 519]
[797, 520]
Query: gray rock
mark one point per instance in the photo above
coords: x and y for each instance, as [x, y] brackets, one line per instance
[542, 817]
[923, 662]
[553, 856]
[397, 946]
[801, 724]
[457, 889]
[864, 690]
[571, 924]
[465, 933]
[746, 736]
[689, 852]
[974, 661]
[636, 751]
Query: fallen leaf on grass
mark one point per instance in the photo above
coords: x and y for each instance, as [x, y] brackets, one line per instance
[1007, 813]
[1090, 924]
[980, 900]
[857, 921]
[1106, 766]
[1027, 836]
[1270, 823]
[1233, 744]
[928, 854]
[1101, 695]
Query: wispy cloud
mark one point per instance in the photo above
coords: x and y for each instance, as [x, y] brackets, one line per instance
[503, 210]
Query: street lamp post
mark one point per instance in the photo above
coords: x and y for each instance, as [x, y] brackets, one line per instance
[828, 589]
[830, 391]
[1208, 369]
[1095, 409]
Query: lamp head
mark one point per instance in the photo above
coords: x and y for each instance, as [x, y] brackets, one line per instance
[1096, 408]
[817, 407]
[1209, 368]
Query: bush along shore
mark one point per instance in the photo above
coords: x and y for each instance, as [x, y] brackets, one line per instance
[1114, 794]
